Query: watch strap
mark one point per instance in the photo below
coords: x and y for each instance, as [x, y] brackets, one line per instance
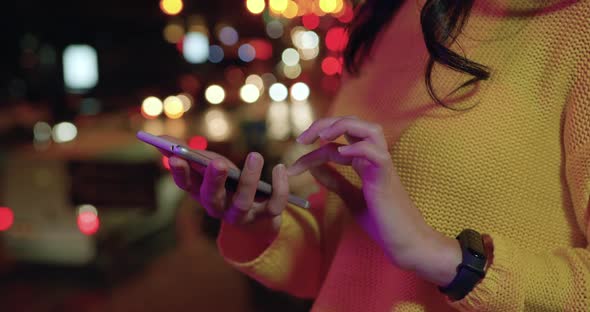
[472, 267]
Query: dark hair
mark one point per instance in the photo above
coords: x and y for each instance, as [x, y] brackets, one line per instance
[441, 20]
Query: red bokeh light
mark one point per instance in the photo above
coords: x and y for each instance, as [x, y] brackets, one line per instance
[336, 39]
[165, 162]
[347, 15]
[88, 222]
[263, 49]
[6, 218]
[198, 142]
[310, 21]
[331, 66]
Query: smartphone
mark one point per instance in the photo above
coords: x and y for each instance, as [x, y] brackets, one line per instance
[264, 189]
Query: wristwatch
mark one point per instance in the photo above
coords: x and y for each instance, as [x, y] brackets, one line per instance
[472, 267]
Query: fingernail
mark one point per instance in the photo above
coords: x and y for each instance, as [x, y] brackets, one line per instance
[282, 170]
[323, 134]
[343, 149]
[252, 161]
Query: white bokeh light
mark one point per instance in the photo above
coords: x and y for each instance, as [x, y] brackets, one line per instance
[290, 57]
[64, 132]
[214, 94]
[80, 66]
[278, 92]
[152, 106]
[195, 48]
[300, 91]
[249, 93]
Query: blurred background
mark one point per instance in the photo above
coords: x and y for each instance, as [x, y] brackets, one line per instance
[90, 219]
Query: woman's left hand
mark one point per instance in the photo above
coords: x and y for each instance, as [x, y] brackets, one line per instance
[381, 206]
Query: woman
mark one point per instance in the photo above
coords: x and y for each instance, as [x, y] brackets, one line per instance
[497, 141]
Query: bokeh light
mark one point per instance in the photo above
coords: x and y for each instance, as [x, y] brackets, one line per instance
[173, 107]
[64, 132]
[171, 7]
[152, 107]
[187, 101]
[246, 52]
[215, 54]
[228, 35]
[328, 6]
[6, 218]
[257, 81]
[290, 57]
[173, 32]
[336, 39]
[249, 93]
[299, 91]
[339, 8]
[214, 94]
[87, 208]
[291, 10]
[198, 142]
[278, 6]
[309, 40]
[274, 29]
[80, 67]
[42, 131]
[346, 15]
[255, 6]
[310, 21]
[263, 49]
[195, 48]
[331, 66]
[88, 223]
[309, 54]
[292, 72]
[278, 92]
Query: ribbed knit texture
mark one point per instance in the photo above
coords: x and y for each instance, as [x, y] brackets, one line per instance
[514, 165]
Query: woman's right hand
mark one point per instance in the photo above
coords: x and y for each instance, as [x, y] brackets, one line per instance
[261, 217]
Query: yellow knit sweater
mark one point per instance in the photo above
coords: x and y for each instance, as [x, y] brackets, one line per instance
[516, 166]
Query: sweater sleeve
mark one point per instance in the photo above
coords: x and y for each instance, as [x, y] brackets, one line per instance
[558, 280]
[292, 261]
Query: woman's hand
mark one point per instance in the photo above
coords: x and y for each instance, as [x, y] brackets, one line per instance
[259, 217]
[381, 206]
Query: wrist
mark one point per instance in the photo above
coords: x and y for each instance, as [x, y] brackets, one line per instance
[438, 258]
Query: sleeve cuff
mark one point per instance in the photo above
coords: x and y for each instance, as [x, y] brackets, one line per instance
[500, 289]
[291, 259]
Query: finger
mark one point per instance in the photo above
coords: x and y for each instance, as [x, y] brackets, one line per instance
[368, 151]
[311, 134]
[180, 172]
[280, 191]
[244, 197]
[186, 179]
[325, 153]
[355, 130]
[335, 182]
[212, 193]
